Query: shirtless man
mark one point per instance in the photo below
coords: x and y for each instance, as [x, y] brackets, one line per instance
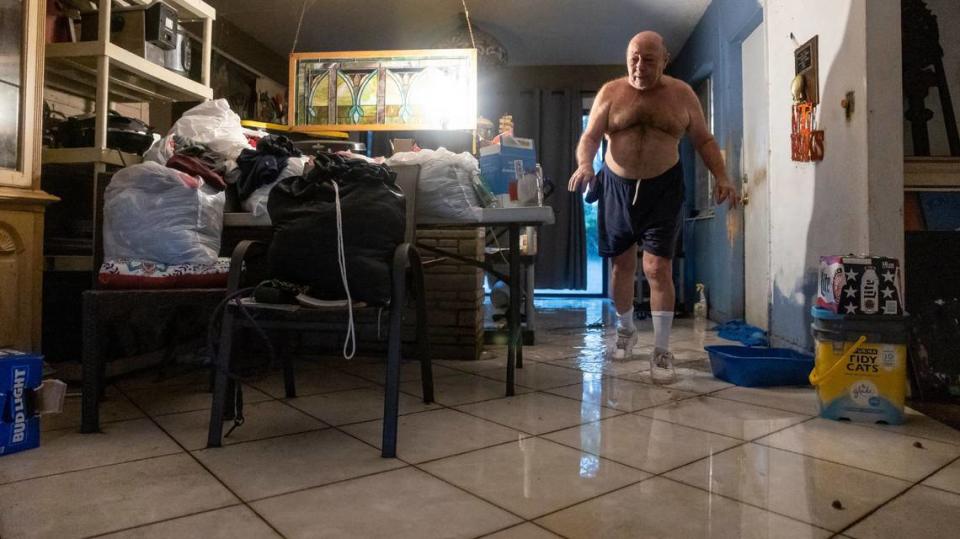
[640, 189]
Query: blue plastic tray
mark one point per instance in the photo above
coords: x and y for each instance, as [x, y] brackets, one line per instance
[759, 367]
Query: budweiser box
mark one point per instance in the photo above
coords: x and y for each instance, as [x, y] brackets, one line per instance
[20, 378]
[858, 286]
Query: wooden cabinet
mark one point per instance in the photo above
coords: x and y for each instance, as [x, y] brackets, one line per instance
[22, 202]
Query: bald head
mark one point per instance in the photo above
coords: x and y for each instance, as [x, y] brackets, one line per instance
[646, 59]
[648, 39]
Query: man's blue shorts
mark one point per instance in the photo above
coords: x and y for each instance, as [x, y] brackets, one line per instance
[651, 218]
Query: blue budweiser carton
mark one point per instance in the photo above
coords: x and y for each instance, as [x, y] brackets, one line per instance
[20, 376]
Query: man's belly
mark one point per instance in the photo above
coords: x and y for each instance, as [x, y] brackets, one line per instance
[641, 154]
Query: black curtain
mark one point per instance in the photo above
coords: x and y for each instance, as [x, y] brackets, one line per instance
[553, 118]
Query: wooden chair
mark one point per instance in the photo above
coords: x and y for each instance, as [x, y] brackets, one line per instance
[246, 269]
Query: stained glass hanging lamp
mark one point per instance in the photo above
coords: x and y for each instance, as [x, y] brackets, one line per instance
[490, 52]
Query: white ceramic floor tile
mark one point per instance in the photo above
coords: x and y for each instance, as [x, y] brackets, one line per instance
[523, 531]
[947, 478]
[110, 498]
[159, 400]
[864, 447]
[688, 379]
[536, 413]
[922, 426]
[801, 400]
[269, 467]
[533, 477]
[310, 382]
[664, 509]
[539, 376]
[454, 390]
[68, 450]
[237, 522]
[598, 363]
[437, 433]
[174, 376]
[495, 361]
[648, 444]
[409, 370]
[618, 394]
[800, 487]
[547, 352]
[921, 512]
[736, 419]
[114, 407]
[399, 504]
[355, 405]
[261, 420]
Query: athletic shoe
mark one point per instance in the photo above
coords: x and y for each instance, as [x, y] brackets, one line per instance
[661, 367]
[623, 350]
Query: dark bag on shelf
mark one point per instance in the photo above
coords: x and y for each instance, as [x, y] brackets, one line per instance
[123, 133]
[304, 211]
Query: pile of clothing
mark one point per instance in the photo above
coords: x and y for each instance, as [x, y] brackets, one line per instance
[169, 209]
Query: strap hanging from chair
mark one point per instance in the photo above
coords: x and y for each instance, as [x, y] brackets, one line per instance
[351, 339]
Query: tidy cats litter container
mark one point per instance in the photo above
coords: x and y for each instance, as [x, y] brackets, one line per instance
[860, 366]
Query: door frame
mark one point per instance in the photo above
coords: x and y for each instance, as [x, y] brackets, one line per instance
[757, 24]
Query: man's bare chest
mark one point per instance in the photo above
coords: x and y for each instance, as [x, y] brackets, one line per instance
[641, 114]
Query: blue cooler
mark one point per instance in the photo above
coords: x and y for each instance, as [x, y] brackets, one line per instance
[20, 376]
[496, 162]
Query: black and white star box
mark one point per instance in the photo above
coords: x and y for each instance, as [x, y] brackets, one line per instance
[858, 286]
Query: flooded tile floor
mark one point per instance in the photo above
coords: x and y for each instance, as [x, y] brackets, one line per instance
[587, 448]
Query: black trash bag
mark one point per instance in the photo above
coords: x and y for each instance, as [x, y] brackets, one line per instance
[304, 215]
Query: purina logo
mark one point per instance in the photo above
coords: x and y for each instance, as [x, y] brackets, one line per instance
[19, 431]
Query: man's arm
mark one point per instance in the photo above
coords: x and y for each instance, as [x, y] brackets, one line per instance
[590, 142]
[709, 151]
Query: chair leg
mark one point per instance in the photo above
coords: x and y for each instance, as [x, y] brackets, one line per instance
[93, 368]
[391, 396]
[221, 385]
[423, 342]
[391, 392]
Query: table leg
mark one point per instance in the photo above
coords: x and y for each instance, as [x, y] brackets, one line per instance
[513, 318]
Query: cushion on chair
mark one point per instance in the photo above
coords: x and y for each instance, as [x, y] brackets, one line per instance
[128, 273]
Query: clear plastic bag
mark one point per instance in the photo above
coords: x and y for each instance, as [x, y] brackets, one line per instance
[211, 123]
[155, 213]
[446, 187]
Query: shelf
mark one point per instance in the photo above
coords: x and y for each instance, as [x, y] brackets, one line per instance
[77, 156]
[931, 173]
[72, 68]
[68, 263]
[192, 8]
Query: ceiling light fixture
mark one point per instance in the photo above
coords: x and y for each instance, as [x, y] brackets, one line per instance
[490, 52]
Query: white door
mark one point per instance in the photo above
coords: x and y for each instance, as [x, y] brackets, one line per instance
[756, 193]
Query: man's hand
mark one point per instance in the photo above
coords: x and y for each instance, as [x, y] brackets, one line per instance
[726, 192]
[582, 177]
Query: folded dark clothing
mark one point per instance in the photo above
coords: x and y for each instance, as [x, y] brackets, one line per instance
[213, 160]
[195, 167]
[262, 166]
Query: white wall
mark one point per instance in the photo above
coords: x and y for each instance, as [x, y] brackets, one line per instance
[851, 202]
[948, 19]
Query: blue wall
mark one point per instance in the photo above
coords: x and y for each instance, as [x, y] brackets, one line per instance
[714, 246]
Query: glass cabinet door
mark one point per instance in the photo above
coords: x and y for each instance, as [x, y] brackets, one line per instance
[11, 82]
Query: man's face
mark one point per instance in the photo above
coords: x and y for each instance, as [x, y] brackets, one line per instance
[646, 60]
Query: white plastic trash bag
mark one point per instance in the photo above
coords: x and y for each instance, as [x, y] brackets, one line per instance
[446, 187]
[152, 212]
[211, 123]
[256, 203]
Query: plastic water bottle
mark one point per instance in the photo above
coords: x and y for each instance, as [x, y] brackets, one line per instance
[700, 308]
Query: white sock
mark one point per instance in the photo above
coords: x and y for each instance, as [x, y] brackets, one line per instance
[625, 321]
[662, 322]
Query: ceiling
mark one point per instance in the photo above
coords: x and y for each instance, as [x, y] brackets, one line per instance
[534, 32]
